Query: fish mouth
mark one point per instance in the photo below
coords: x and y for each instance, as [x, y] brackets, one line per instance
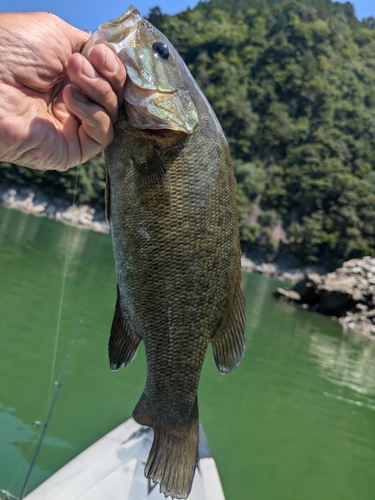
[156, 100]
[165, 137]
[161, 132]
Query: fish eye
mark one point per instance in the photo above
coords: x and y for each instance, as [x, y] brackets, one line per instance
[161, 49]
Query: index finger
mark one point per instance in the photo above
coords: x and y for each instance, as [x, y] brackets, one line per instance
[105, 61]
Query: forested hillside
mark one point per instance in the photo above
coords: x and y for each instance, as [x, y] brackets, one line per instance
[293, 85]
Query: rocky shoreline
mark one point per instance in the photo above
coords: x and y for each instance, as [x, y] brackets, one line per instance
[33, 200]
[285, 267]
[346, 294]
[36, 202]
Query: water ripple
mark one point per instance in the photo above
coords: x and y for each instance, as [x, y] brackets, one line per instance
[345, 364]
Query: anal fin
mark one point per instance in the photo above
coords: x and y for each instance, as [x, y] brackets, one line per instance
[229, 342]
[123, 340]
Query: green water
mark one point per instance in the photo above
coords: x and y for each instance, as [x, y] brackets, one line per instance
[296, 421]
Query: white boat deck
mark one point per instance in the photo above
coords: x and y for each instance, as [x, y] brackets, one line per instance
[113, 469]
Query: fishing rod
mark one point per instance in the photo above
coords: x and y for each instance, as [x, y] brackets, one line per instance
[68, 357]
[8, 496]
[57, 384]
[49, 415]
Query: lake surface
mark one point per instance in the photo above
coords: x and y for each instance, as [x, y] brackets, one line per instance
[295, 421]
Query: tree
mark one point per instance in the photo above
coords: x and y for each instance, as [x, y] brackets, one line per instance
[293, 85]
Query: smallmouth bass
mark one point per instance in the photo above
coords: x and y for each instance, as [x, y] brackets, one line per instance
[172, 213]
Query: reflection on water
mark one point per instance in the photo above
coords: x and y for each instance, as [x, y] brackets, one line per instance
[76, 240]
[295, 421]
[350, 401]
[254, 307]
[346, 364]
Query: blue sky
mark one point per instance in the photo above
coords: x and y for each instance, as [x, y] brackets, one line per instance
[88, 14]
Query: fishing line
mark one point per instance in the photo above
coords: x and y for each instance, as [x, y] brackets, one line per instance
[46, 423]
[8, 496]
[62, 294]
[57, 385]
[22, 466]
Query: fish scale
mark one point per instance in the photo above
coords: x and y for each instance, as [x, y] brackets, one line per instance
[172, 213]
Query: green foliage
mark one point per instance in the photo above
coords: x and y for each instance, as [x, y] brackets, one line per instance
[293, 85]
[250, 234]
[90, 180]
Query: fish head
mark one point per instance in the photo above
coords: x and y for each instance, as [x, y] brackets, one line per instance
[155, 94]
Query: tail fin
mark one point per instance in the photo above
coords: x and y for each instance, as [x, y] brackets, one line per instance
[173, 455]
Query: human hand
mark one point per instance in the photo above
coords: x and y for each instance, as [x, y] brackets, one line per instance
[56, 107]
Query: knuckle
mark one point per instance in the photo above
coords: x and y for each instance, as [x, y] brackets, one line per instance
[104, 95]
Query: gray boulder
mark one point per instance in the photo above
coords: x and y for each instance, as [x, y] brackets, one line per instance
[348, 293]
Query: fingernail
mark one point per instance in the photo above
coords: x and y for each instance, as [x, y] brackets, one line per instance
[77, 94]
[110, 61]
[88, 70]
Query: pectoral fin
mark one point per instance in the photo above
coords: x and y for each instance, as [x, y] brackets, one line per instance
[123, 340]
[151, 174]
[228, 343]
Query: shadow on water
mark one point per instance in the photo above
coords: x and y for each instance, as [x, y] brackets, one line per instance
[295, 421]
[18, 443]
